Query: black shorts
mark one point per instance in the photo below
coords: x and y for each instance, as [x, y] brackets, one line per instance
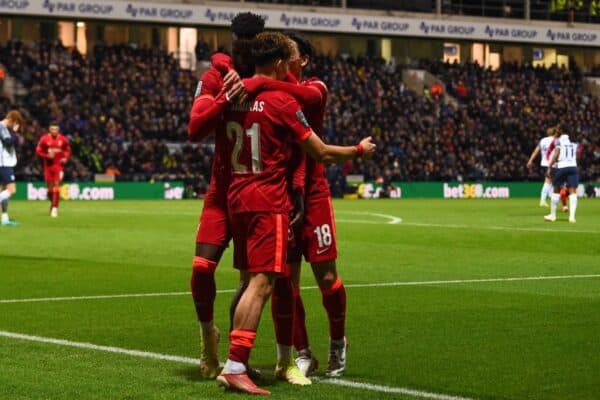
[568, 175]
[7, 175]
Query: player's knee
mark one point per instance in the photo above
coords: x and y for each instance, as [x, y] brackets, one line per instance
[325, 274]
[261, 285]
[204, 265]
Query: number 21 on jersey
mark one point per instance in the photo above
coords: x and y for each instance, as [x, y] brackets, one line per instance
[236, 133]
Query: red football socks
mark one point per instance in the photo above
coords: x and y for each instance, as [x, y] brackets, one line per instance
[282, 310]
[242, 341]
[300, 334]
[55, 196]
[204, 288]
[334, 300]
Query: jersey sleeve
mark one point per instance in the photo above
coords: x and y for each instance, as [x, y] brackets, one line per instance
[210, 83]
[42, 148]
[209, 104]
[293, 118]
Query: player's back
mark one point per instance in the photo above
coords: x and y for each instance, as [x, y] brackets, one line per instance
[261, 133]
[544, 145]
[568, 152]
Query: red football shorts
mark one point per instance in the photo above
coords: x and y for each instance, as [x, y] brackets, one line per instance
[316, 238]
[213, 227]
[53, 175]
[260, 242]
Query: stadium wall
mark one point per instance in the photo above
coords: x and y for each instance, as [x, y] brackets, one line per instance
[334, 22]
[90, 191]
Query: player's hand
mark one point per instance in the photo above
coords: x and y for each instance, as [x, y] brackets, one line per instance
[368, 147]
[16, 127]
[529, 164]
[63, 161]
[549, 173]
[298, 212]
[234, 87]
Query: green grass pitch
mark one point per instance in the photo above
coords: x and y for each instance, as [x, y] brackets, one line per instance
[451, 325]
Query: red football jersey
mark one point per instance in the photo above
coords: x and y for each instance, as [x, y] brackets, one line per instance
[59, 146]
[262, 133]
[316, 181]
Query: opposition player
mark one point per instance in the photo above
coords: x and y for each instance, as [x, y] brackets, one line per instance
[54, 149]
[213, 94]
[565, 156]
[9, 126]
[258, 196]
[542, 150]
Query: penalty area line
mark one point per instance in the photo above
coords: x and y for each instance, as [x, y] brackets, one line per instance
[348, 285]
[193, 361]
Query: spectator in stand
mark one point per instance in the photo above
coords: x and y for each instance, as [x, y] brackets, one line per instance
[121, 105]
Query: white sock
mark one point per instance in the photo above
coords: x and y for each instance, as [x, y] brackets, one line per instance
[572, 205]
[305, 352]
[4, 217]
[233, 367]
[554, 202]
[207, 327]
[284, 353]
[4, 195]
[545, 192]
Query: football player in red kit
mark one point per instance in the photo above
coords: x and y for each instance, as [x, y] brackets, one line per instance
[55, 151]
[263, 131]
[316, 236]
[214, 92]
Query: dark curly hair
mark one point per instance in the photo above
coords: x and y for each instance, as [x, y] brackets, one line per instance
[247, 25]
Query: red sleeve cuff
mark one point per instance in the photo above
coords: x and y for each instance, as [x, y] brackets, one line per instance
[305, 135]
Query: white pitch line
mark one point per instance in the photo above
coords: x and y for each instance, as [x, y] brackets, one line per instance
[193, 361]
[350, 285]
[496, 228]
[91, 346]
[387, 389]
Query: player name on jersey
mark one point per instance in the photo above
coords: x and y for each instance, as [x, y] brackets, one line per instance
[255, 106]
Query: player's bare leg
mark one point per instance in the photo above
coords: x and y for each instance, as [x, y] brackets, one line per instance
[334, 301]
[253, 373]
[306, 361]
[245, 323]
[204, 292]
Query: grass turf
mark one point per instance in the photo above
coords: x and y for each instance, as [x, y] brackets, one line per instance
[484, 340]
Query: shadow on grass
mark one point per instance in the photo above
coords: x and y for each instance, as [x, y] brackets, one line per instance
[267, 378]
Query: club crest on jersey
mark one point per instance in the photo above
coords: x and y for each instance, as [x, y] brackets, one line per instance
[198, 89]
[302, 118]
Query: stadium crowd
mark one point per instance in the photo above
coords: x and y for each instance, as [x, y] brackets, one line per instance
[125, 111]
